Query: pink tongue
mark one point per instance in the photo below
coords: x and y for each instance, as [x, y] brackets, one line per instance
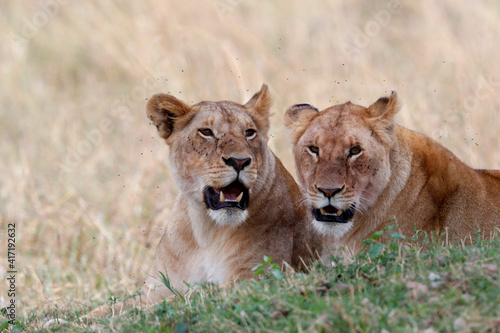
[231, 192]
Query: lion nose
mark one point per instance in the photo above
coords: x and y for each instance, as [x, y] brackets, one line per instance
[237, 163]
[330, 192]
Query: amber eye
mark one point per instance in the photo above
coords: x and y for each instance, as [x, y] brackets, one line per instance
[206, 132]
[250, 133]
[314, 149]
[355, 150]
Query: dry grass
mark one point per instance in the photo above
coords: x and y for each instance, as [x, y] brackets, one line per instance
[84, 176]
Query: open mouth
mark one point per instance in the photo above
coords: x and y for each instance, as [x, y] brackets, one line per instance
[332, 214]
[233, 195]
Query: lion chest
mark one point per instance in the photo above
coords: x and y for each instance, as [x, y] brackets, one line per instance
[215, 269]
[209, 265]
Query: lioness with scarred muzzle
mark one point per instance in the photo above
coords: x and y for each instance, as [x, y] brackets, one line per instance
[237, 202]
[361, 171]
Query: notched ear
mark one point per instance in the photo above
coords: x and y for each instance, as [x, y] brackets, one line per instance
[298, 117]
[165, 111]
[382, 114]
[258, 108]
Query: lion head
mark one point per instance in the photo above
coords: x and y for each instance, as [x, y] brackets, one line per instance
[342, 158]
[218, 151]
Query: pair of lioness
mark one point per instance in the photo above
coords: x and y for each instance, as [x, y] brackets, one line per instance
[238, 203]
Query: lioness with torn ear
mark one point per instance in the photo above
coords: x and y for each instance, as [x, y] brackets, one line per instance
[360, 169]
[237, 202]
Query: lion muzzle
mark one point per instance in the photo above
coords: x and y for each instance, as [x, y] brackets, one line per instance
[234, 195]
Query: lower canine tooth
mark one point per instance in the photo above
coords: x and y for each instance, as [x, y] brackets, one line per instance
[323, 211]
[239, 197]
[222, 198]
[339, 212]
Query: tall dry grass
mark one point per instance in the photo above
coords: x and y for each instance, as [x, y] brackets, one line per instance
[83, 174]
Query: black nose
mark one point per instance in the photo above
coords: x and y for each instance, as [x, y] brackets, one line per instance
[237, 163]
[330, 192]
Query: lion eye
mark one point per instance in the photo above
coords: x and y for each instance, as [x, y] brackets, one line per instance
[250, 133]
[314, 149]
[206, 132]
[355, 150]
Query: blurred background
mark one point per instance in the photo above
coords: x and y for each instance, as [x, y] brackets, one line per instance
[83, 174]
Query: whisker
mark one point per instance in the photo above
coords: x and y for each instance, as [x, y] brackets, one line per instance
[305, 201]
[259, 182]
[363, 204]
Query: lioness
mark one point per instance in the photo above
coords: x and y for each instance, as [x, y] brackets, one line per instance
[237, 201]
[359, 169]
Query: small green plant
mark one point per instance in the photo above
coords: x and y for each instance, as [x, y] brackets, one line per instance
[383, 246]
[15, 326]
[112, 300]
[267, 267]
[166, 281]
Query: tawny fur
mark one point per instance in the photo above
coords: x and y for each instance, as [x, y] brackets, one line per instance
[201, 245]
[399, 174]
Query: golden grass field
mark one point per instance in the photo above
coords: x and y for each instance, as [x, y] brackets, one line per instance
[84, 176]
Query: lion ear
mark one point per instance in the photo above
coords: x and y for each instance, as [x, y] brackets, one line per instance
[164, 111]
[298, 117]
[385, 107]
[382, 114]
[258, 108]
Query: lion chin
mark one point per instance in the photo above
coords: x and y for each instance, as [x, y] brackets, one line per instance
[228, 216]
[334, 229]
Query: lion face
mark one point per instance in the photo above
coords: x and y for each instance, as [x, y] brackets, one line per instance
[342, 159]
[217, 151]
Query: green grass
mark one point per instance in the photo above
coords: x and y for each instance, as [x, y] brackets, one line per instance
[400, 285]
